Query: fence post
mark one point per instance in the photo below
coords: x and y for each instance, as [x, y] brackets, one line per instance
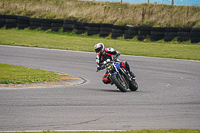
[172, 2]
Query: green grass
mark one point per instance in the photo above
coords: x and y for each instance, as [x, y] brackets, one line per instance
[20, 75]
[71, 41]
[105, 12]
[142, 131]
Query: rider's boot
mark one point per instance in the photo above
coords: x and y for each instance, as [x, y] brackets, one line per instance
[131, 75]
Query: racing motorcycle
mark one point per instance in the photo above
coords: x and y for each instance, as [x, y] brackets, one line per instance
[120, 76]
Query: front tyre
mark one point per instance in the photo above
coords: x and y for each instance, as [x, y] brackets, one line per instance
[133, 86]
[120, 84]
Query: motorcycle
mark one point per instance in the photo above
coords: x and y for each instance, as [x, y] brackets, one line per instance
[120, 76]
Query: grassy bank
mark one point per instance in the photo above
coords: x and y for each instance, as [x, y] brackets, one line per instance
[19, 75]
[71, 41]
[105, 12]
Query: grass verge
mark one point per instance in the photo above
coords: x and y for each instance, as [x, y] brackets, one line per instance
[20, 75]
[71, 41]
[142, 131]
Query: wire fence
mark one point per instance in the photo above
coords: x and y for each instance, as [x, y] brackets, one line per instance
[169, 2]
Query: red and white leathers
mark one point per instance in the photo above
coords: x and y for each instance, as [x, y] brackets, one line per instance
[109, 54]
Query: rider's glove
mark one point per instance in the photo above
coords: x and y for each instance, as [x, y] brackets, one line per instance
[100, 67]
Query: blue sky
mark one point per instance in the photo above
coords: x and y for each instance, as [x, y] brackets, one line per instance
[176, 2]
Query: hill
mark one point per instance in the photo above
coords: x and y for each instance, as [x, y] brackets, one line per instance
[105, 12]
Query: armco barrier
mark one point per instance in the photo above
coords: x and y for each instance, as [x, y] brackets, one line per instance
[104, 30]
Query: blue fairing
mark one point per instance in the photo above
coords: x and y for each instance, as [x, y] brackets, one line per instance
[117, 65]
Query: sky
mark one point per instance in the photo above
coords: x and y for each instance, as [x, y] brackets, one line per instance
[176, 2]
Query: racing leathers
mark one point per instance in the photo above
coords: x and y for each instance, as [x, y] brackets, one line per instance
[109, 54]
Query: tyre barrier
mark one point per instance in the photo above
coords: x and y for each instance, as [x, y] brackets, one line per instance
[144, 32]
[195, 35]
[131, 32]
[104, 30]
[157, 33]
[68, 25]
[56, 25]
[23, 22]
[117, 31]
[80, 27]
[2, 20]
[35, 23]
[11, 21]
[183, 34]
[170, 33]
[46, 24]
[93, 28]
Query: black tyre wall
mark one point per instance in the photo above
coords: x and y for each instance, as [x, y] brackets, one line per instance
[68, 25]
[80, 27]
[46, 24]
[183, 34]
[157, 33]
[105, 30]
[170, 33]
[23, 22]
[144, 32]
[35, 23]
[2, 20]
[195, 35]
[93, 28]
[117, 31]
[56, 25]
[11, 21]
[130, 32]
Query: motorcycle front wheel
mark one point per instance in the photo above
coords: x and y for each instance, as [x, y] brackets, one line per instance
[119, 83]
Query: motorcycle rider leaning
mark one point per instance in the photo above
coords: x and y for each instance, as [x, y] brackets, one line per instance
[105, 54]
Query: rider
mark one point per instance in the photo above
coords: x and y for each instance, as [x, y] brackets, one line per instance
[105, 54]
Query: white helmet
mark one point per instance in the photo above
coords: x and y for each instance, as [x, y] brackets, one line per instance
[99, 48]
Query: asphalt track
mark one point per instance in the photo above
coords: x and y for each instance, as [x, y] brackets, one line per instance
[168, 94]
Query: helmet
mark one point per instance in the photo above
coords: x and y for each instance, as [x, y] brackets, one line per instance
[99, 47]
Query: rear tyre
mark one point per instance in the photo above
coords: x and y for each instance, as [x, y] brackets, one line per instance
[120, 84]
[133, 86]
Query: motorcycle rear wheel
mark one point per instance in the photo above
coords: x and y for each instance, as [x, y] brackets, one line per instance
[120, 84]
[133, 86]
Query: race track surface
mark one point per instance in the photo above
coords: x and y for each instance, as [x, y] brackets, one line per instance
[168, 94]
